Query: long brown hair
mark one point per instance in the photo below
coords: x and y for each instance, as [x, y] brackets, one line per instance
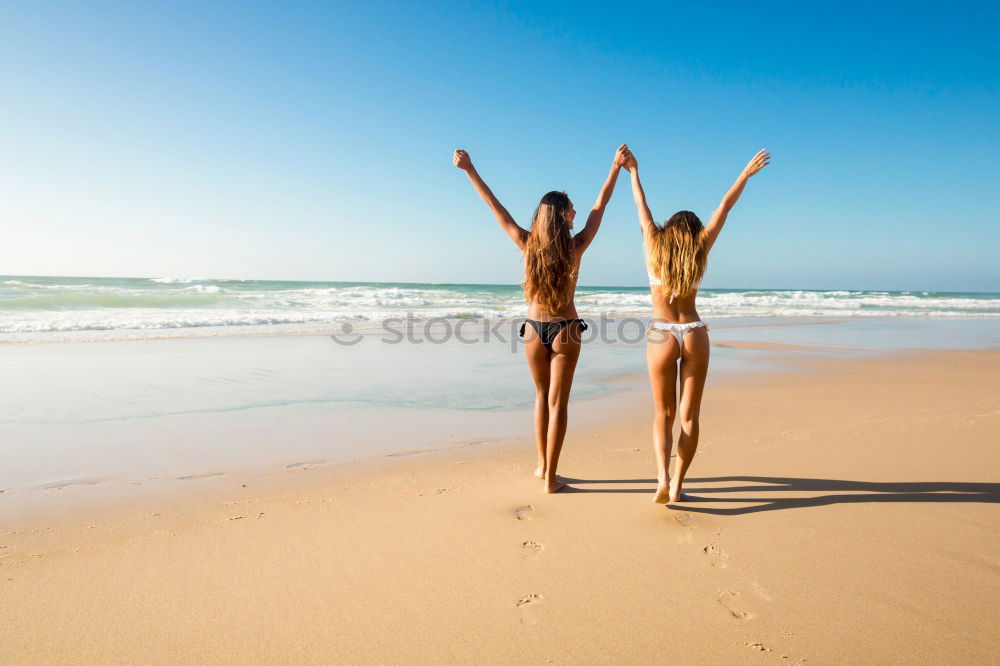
[677, 253]
[549, 261]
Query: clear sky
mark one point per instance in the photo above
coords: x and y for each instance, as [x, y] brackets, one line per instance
[313, 140]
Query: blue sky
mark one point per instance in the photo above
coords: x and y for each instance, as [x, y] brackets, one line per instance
[265, 140]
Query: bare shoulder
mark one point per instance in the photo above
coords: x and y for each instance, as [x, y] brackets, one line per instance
[647, 232]
[708, 238]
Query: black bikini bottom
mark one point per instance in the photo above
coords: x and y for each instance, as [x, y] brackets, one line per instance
[548, 331]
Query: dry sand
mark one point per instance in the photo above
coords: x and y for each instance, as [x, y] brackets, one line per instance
[843, 514]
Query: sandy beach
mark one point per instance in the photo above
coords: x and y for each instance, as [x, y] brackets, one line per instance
[841, 513]
[297, 298]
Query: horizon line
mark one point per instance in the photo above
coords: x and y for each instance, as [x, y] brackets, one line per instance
[466, 284]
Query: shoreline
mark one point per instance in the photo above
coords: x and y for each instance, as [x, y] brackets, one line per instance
[373, 328]
[767, 360]
[833, 475]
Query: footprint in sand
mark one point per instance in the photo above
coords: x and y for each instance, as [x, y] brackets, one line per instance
[523, 512]
[532, 549]
[685, 520]
[72, 482]
[197, 477]
[728, 600]
[760, 591]
[526, 603]
[305, 464]
[716, 555]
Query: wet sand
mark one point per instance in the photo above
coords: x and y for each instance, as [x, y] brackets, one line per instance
[844, 513]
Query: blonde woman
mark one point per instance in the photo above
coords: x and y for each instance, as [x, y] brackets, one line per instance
[676, 257]
[552, 331]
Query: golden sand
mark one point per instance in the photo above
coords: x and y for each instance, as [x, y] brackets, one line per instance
[844, 514]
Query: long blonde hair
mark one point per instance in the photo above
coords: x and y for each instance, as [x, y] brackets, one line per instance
[549, 261]
[677, 253]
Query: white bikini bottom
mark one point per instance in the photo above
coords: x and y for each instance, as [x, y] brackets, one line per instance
[678, 330]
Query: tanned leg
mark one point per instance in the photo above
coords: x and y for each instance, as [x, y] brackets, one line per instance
[694, 370]
[566, 352]
[662, 352]
[539, 360]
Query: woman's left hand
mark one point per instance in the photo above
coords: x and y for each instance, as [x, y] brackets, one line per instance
[759, 161]
[462, 160]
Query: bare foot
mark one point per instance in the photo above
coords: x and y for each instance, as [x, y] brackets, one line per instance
[554, 486]
[662, 491]
[675, 491]
[540, 472]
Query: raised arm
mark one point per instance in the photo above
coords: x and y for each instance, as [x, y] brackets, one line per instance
[586, 235]
[639, 195]
[758, 162]
[462, 160]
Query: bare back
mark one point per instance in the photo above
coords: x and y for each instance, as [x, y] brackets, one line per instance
[538, 313]
[679, 310]
[668, 307]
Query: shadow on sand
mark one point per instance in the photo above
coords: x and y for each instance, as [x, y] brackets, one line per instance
[760, 491]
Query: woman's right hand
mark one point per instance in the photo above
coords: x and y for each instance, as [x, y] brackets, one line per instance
[631, 163]
[462, 160]
[758, 162]
[621, 155]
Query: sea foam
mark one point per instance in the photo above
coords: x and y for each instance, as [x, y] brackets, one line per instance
[38, 309]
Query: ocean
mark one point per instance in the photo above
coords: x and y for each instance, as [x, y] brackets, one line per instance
[51, 309]
[173, 379]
